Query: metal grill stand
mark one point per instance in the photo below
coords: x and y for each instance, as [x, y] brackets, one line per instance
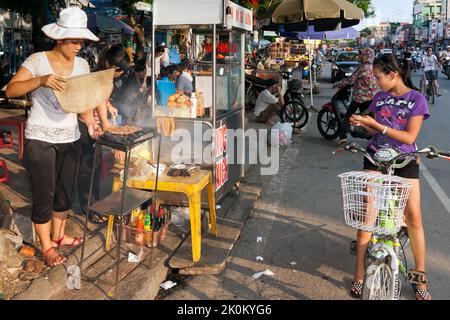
[122, 202]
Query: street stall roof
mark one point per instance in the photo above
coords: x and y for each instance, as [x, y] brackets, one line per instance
[108, 24]
[182, 12]
[345, 33]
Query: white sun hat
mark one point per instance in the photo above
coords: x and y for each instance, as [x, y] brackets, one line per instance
[71, 24]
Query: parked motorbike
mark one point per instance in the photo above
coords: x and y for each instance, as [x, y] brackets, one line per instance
[332, 120]
[446, 67]
[294, 110]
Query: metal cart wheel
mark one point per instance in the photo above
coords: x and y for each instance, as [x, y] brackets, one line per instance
[205, 220]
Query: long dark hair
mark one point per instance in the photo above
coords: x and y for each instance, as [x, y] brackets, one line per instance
[388, 62]
[115, 55]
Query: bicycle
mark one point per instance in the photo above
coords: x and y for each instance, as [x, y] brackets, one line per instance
[430, 85]
[375, 202]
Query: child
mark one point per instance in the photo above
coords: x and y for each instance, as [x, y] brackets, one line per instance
[399, 113]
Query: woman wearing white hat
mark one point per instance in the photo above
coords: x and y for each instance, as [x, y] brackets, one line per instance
[51, 151]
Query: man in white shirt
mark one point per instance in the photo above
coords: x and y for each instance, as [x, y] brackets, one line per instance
[430, 65]
[267, 105]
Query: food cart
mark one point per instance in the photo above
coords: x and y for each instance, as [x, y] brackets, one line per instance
[215, 30]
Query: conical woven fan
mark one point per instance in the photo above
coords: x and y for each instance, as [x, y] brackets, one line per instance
[86, 92]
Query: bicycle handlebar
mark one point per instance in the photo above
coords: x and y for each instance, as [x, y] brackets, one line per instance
[431, 152]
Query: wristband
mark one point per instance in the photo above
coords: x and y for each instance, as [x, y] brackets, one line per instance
[385, 129]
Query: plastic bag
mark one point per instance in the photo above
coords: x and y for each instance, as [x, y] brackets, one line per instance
[260, 66]
[284, 133]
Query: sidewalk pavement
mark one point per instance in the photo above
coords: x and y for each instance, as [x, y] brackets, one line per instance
[141, 280]
[137, 280]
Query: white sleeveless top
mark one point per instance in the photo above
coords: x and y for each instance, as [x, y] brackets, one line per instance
[47, 121]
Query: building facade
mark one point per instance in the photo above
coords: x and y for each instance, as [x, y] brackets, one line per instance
[428, 22]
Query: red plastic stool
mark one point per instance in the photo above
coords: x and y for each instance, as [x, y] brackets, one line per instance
[3, 135]
[18, 122]
[4, 177]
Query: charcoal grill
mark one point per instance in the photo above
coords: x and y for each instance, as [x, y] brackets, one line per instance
[121, 202]
[126, 142]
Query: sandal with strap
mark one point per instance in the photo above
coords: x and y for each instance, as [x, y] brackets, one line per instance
[52, 258]
[75, 242]
[356, 289]
[416, 277]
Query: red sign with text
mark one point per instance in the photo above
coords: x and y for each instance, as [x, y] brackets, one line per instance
[242, 17]
[221, 172]
[221, 152]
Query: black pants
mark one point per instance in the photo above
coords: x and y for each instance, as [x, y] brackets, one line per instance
[86, 145]
[354, 106]
[53, 169]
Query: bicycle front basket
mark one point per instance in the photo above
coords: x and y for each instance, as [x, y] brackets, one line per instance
[374, 202]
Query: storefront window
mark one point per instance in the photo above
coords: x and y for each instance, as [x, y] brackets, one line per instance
[229, 66]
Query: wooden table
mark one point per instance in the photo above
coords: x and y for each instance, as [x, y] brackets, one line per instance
[191, 186]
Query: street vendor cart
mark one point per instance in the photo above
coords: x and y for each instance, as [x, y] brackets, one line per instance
[206, 119]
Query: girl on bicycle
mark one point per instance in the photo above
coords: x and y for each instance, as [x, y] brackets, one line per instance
[399, 111]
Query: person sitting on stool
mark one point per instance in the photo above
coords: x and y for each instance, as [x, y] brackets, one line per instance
[267, 105]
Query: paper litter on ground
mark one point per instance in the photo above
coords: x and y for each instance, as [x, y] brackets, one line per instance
[74, 277]
[267, 272]
[293, 263]
[259, 239]
[167, 285]
[259, 258]
[135, 258]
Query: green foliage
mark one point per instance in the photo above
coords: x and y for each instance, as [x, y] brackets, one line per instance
[365, 32]
[366, 6]
[128, 5]
[33, 7]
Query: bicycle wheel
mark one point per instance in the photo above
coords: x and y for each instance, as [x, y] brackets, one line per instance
[300, 111]
[327, 124]
[432, 92]
[379, 282]
[250, 100]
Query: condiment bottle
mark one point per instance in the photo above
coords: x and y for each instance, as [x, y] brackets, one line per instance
[194, 105]
[148, 228]
[139, 239]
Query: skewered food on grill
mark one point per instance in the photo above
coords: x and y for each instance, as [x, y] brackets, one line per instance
[122, 130]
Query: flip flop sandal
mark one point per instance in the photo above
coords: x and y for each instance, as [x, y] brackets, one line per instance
[57, 259]
[356, 289]
[75, 242]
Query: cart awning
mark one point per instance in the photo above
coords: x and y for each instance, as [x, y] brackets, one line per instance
[107, 24]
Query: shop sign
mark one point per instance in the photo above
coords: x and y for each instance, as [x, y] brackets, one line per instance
[221, 172]
[241, 17]
[221, 141]
[221, 153]
[417, 8]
